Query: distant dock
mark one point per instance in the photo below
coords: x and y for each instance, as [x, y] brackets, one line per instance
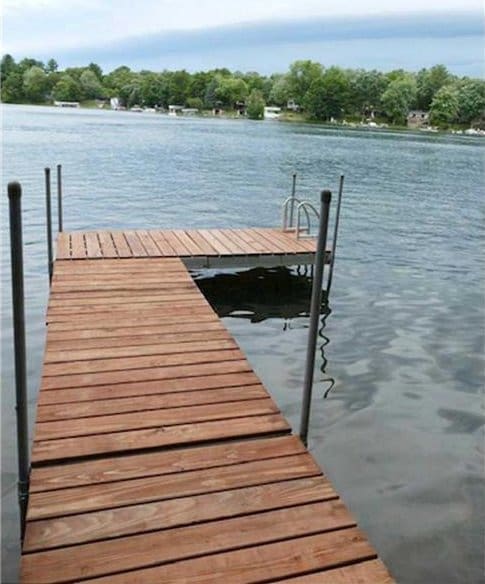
[158, 455]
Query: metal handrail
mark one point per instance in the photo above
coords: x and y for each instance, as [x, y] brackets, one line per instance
[305, 205]
[288, 226]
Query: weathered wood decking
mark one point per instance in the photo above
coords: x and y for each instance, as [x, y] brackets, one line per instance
[159, 456]
[197, 247]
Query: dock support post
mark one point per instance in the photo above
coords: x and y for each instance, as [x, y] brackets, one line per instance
[17, 266]
[293, 192]
[315, 305]
[335, 233]
[59, 197]
[49, 222]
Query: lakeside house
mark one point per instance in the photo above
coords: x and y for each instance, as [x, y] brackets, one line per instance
[174, 110]
[292, 106]
[418, 119]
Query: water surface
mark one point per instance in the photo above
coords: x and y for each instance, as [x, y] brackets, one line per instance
[401, 433]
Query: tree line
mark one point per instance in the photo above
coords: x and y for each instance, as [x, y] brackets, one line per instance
[322, 93]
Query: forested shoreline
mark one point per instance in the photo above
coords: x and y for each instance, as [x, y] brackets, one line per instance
[320, 93]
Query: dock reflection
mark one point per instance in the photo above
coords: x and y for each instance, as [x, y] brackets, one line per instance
[259, 294]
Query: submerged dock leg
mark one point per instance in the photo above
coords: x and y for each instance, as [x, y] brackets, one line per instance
[17, 266]
[315, 305]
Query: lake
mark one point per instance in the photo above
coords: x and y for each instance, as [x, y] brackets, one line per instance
[401, 432]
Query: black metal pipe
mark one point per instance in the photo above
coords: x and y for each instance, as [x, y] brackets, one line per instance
[50, 257]
[17, 266]
[59, 197]
[315, 304]
[335, 233]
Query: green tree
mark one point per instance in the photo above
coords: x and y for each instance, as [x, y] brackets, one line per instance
[195, 102]
[178, 87]
[255, 109]
[7, 67]
[13, 88]
[35, 84]
[444, 107]
[67, 89]
[366, 88]
[428, 83]
[96, 69]
[471, 100]
[90, 85]
[328, 95]
[52, 66]
[301, 76]
[280, 91]
[230, 90]
[399, 98]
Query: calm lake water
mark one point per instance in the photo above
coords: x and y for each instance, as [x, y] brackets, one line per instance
[401, 433]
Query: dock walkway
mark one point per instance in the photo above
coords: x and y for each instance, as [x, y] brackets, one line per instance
[158, 455]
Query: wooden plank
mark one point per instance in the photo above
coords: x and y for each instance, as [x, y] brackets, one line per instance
[214, 242]
[108, 248]
[162, 487]
[161, 418]
[137, 552]
[253, 246]
[178, 247]
[139, 350]
[121, 245]
[107, 524]
[78, 447]
[366, 572]
[216, 351]
[86, 409]
[202, 243]
[93, 248]
[227, 242]
[135, 244]
[64, 301]
[78, 247]
[149, 244]
[164, 305]
[103, 336]
[137, 375]
[190, 245]
[103, 327]
[102, 318]
[165, 248]
[130, 466]
[211, 331]
[260, 563]
[241, 375]
[63, 248]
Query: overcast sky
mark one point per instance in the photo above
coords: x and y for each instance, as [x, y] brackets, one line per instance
[193, 33]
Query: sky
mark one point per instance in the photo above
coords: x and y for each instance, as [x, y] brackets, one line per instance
[257, 35]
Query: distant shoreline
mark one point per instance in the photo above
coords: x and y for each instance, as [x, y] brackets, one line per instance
[286, 117]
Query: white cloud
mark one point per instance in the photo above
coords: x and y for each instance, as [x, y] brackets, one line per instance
[49, 25]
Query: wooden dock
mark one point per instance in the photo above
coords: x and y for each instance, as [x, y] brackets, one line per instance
[158, 455]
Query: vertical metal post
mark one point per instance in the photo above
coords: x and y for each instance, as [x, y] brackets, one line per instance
[59, 196]
[315, 305]
[17, 267]
[293, 192]
[335, 233]
[49, 222]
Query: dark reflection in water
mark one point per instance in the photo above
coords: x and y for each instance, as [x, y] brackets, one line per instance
[259, 294]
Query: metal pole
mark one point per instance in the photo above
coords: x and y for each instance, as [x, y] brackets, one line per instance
[293, 192]
[59, 196]
[49, 222]
[17, 267]
[315, 305]
[335, 233]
